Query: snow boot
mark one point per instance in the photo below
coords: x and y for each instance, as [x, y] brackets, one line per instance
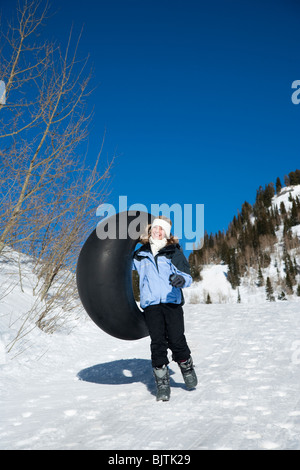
[188, 373]
[162, 378]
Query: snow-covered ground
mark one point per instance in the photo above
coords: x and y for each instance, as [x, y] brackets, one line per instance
[80, 388]
[83, 389]
[284, 196]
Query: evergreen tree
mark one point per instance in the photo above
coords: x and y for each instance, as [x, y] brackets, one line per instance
[278, 185]
[282, 208]
[208, 299]
[224, 252]
[290, 270]
[264, 222]
[282, 296]
[233, 270]
[298, 290]
[246, 212]
[264, 196]
[277, 218]
[294, 220]
[293, 178]
[261, 281]
[287, 227]
[289, 283]
[269, 192]
[269, 290]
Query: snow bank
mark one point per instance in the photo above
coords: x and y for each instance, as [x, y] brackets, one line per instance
[284, 195]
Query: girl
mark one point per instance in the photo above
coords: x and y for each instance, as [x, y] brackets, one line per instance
[163, 271]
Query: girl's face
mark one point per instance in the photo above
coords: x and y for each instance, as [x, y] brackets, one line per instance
[157, 233]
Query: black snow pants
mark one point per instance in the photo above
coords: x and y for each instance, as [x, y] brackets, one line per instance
[166, 327]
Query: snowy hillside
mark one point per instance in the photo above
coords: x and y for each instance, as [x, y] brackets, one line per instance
[214, 276]
[284, 194]
[82, 389]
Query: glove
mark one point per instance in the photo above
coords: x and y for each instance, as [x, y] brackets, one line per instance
[176, 280]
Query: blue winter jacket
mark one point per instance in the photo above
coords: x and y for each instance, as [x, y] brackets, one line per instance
[154, 273]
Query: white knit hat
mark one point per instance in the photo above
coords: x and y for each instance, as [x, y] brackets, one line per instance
[163, 224]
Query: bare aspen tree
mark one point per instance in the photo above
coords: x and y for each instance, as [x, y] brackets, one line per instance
[48, 195]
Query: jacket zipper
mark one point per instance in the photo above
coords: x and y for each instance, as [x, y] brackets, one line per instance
[155, 259]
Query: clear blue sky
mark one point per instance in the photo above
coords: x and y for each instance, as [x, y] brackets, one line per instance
[195, 96]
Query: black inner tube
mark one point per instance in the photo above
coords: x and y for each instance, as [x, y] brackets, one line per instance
[104, 275]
